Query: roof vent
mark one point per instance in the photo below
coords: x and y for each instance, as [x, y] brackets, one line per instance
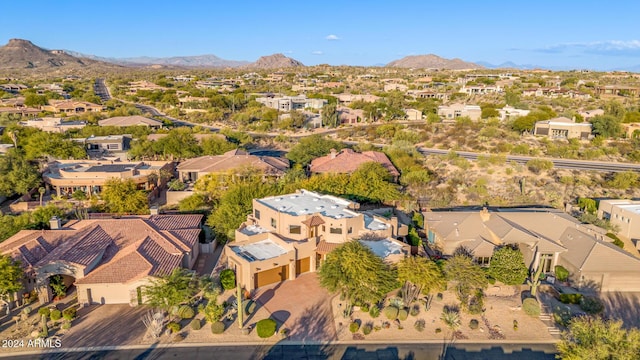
[282, 207]
[278, 199]
[315, 199]
[294, 197]
[320, 207]
[334, 206]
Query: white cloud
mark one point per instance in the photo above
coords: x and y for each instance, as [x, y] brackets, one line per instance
[317, 52]
[332, 37]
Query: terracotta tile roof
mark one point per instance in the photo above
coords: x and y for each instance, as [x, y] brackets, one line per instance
[124, 249]
[326, 247]
[347, 161]
[313, 221]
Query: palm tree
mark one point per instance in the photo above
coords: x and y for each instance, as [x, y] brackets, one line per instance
[41, 190]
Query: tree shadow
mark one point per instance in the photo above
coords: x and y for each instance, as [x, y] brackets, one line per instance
[622, 306]
[389, 352]
[281, 316]
[315, 324]
[261, 299]
[498, 353]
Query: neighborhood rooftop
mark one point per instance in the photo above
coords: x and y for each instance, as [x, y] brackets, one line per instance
[308, 202]
[262, 250]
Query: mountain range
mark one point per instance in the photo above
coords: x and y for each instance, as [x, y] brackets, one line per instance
[20, 54]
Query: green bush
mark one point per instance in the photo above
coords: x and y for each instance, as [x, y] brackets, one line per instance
[476, 304]
[562, 316]
[44, 311]
[415, 310]
[65, 326]
[562, 274]
[390, 312]
[531, 307]
[217, 327]
[55, 314]
[196, 324]
[354, 327]
[515, 325]
[591, 305]
[403, 314]
[439, 296]
[185, 312]
[473, 324]
[228, 279]
[374, 311]
[266, 328]
[364, 308]
[570, 298]
[419, 325]
[69, 313]
[250, 307]
[174, 327]
[491, 280]
[438, 330]
[367, 328]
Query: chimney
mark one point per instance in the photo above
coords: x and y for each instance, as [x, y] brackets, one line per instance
[55, 223]
[333, 153]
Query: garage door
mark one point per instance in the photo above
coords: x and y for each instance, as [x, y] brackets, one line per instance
[272, 276]
[622, 283]
[303, 266]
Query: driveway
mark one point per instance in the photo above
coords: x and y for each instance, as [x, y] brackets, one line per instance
[301, 306]
[105, 325]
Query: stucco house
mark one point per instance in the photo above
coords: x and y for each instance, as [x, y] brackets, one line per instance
[289, 235]
[562, 128]
[453, 111]
[545, 237]
[346, 161]
[107, 260]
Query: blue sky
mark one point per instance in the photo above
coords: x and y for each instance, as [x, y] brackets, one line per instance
[579, 34]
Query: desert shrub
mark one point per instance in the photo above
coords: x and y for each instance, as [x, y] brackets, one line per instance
[439, 296]
[562, 316]
[473, 324]
[185, 312]
[69, 313]
[419, 325]
[616, 240]
[403, 314]
[515, 325]
[178, 337]
[591, 305]
[196, 324]
[250, 308]
[562, 274]
[415, 310]
[65, 326]
[218, 327]
[354, 327]
[390, 312]
[570, 298]
[55, 314]
[44, 311]
[174, 327]
[531, 307]
[374, 311]
[266, 328]
[366, 329]
[364, 308]
[438, 330]
[476, 304]
[491, 280]
[227, 279]
[538, 165]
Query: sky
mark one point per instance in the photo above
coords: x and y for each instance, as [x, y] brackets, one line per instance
[572, 33]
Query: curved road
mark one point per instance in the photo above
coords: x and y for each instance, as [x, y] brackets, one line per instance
[584, 165]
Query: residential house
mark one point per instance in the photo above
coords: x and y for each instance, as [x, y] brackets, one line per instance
[67, 176]
[347, 99]
[134, 120]
[413, 114]
[395, 86]
[288, 103]
[631, 130]
[546, 238]
[509, 112]
[453, 111]
[231, 163]
[346, 161]
[107, 260]
[289, 235]
[562, 128]
[613, 90]
[55, 88]
[428, 94]
[144, 85]
[590, 114]
[100, 145]
[622, 213]
[13, 88]
[72, 107]
[480, 89]
[53, 124]
[347, 115]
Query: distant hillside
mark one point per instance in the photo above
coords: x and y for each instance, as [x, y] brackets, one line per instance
[201, 61]
[20, 54]
[275, 61]
[432, 61]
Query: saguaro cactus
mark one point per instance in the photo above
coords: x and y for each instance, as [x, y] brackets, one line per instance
[534, 281]
[240, 307]
[43, 322]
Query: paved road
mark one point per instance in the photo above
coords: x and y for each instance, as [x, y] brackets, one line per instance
[101, 89]
[303, 352]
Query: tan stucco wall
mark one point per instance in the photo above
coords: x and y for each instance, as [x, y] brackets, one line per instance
[109, 293]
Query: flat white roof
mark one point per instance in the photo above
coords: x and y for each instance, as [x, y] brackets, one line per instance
[383, 248]
[631, 207]
[309, 202]
[253, 229]
[261, 250]
[372, 224]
